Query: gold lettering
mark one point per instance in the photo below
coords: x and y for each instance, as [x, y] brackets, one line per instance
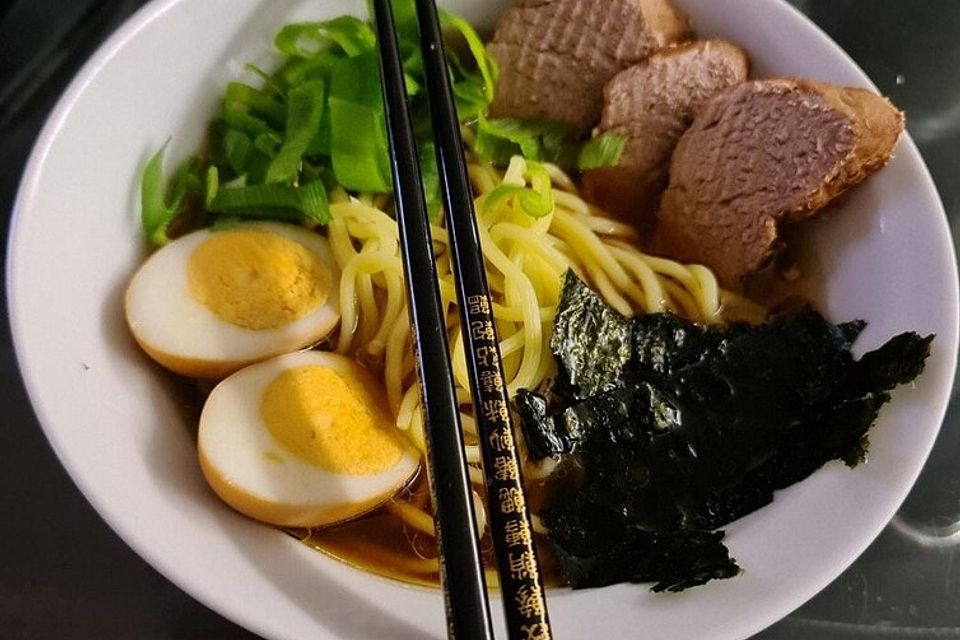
[505, 468]
[511, 500]
[523, 566]
[501, 439]
[482, 330]
[517, 532]
[478, 304]
[529, 601]
[487, 357]
[536, 631]
[496, 410]
[490, 380]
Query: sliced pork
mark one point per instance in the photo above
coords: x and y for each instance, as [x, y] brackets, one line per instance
[555, 56]
[651, 104]
[762, 154]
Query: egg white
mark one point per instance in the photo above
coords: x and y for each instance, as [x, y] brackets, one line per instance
[253, 472]
[186, 337]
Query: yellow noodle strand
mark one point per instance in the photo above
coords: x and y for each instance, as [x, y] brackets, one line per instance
[525, 260]
[416, 518]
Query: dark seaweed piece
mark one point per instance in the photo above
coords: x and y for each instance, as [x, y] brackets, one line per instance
[590, 341]
[603, 548]
[678, 429]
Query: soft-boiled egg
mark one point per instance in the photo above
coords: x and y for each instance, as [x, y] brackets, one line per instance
[303, 440]
[214, 301]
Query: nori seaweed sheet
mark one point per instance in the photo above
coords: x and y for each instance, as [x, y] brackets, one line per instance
[673, 430]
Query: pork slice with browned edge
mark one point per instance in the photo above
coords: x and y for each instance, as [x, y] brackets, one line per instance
[651, 104]
[555, 56]
[763, 154]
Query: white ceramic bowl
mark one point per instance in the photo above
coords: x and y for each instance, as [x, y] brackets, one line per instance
[118, 430]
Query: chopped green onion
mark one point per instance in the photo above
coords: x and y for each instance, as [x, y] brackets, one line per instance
[318, 122]
[268, 80]
[357, 79]
[304, 114]
[413, 87]
[307, 204]
[602, 151]
[211, 185]
[225, 223]
[320, 145]
[526, 135]
[268, 143]
[405, 19]
[358, 146]
[358, 141]
[161, 206]
[535, 200]
[470, 98]
[486, 65]
[430, 177]
[300, 70]
[256, 102]
[239, 118]
[500, 139]
[236, 150]
[304, 40]
[239, 181]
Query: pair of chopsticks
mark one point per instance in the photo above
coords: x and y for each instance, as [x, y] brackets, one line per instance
[461, 566]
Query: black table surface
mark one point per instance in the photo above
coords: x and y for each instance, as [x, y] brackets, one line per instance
[64, 574]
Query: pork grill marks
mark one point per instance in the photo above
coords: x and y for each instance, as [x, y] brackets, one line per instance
[651, 104]
[555, 56]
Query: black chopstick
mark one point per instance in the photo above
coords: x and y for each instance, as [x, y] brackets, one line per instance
[521, 586]
[461, 565]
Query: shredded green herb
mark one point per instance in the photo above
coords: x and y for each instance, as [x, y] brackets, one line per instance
[307, 204]
[347, 35]
[162, 204]
[535, 200]
[282, 140]
[306, 106]
[498, 140]
[317, 121]
[602, 151]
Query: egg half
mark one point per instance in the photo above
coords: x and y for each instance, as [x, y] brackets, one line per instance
[302, 440]
[214, 301]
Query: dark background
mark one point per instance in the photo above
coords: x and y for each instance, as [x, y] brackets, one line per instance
[64, 574]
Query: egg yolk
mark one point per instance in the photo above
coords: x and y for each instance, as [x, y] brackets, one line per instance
[329, 421]
[256, 279]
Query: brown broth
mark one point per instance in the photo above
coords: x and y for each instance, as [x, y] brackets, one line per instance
[384, 544]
